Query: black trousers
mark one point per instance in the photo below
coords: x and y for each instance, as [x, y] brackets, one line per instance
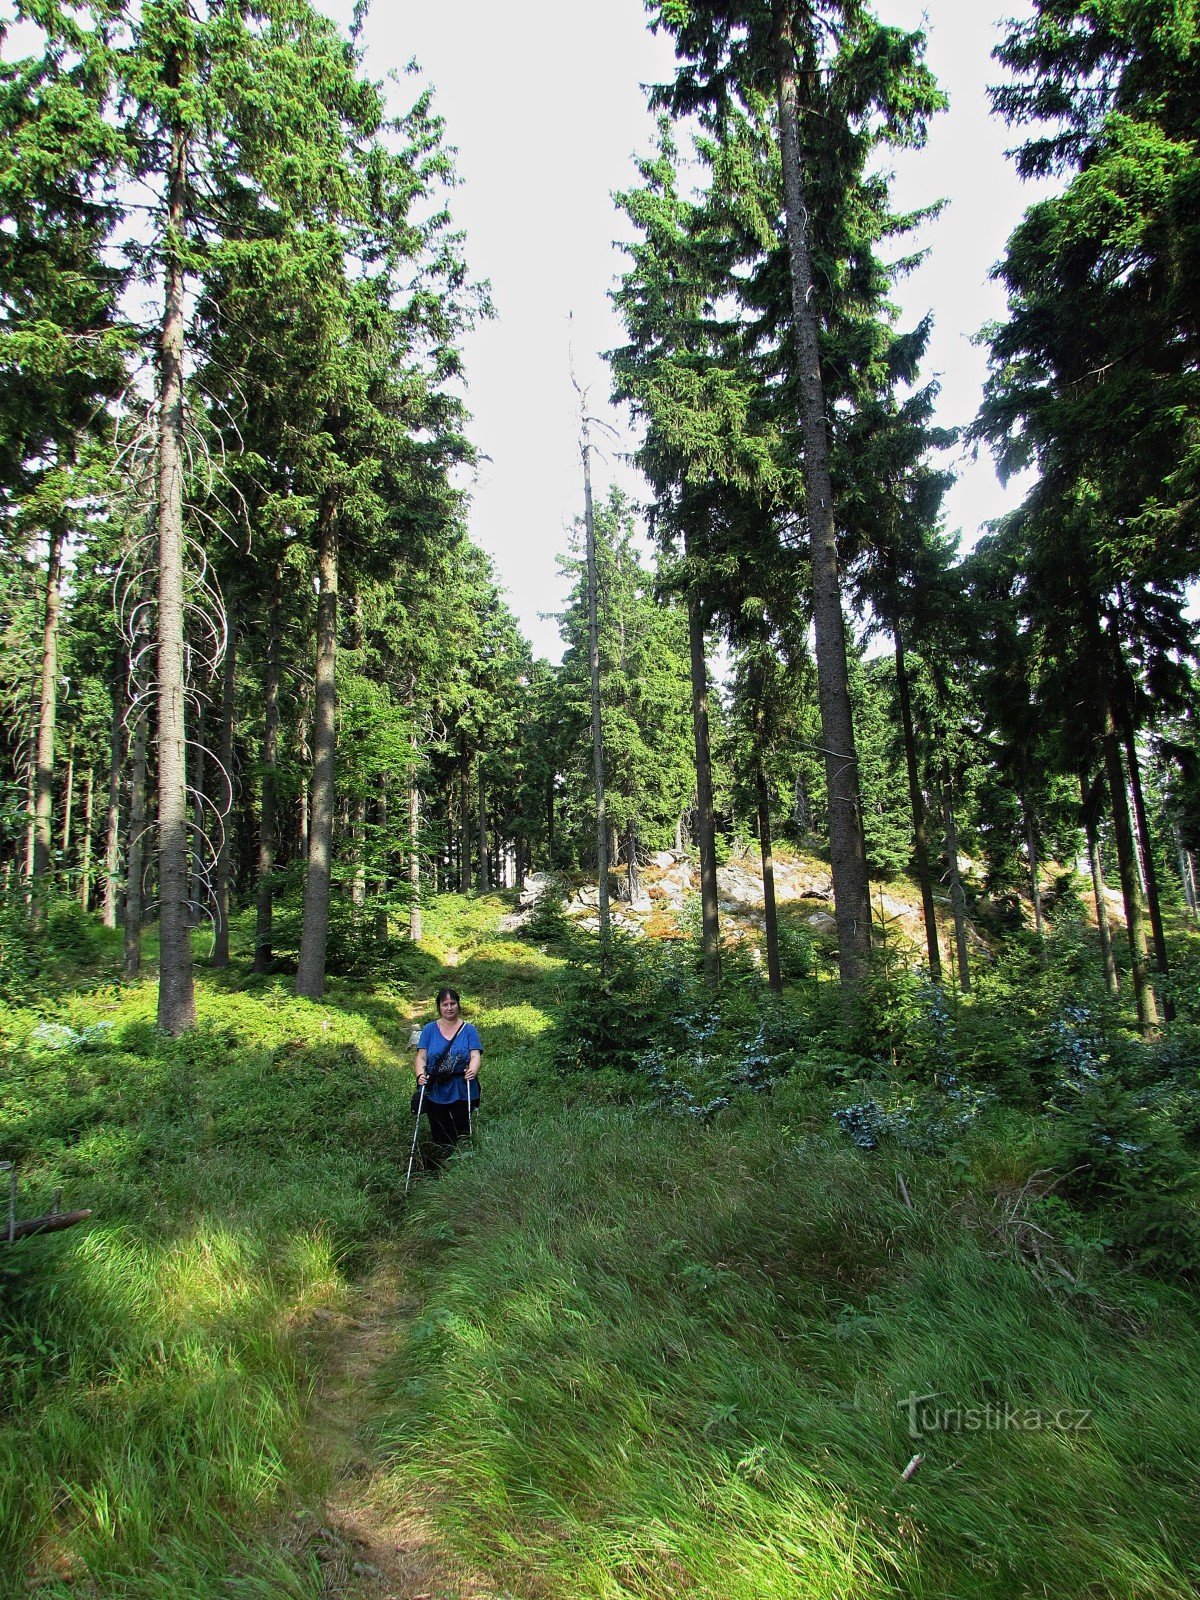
[448, 1124]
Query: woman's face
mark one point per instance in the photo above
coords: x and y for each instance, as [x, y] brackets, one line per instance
[448, 1007]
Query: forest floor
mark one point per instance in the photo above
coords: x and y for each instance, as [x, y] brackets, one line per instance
[657, 1334]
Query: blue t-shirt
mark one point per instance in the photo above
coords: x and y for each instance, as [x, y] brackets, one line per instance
[434, 1044]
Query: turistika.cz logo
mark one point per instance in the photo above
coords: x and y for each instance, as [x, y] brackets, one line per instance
[991, 1417]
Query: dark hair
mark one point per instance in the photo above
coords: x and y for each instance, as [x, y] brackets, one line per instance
[447, 994]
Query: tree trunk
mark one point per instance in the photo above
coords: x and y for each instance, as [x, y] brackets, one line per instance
[631, 860]
[200, 884]
[916, 795]
[85, 854]
[1090, 828]
[1131, 890]
[358, 845]
[43, 844]
[710, 925]
[847, 848]
[414, 858]
[314, 935]
[112, 822]
[268, 810]
[1187, 873]
[176, 994]
[465, 876]
[1150, 871]
[770, 914]
[550, 823]
[485, 876]
[135, 848]
[589, 525]
[68, 800]
[958, 898]
[220, 954]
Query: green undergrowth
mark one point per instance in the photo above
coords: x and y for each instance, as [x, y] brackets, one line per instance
[662, 1357]
[709, 1280]
[156, 1362]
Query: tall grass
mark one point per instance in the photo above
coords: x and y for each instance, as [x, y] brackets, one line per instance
[156, 1363]
[662, 1359]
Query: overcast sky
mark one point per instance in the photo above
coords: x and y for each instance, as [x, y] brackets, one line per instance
[543, 100]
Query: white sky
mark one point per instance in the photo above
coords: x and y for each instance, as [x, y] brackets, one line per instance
[543, 100]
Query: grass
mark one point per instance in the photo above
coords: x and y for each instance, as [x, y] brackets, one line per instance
[663, 1359]
[652, 1355]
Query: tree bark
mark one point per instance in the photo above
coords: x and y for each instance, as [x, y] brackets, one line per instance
[220, 954]
[916, 795]
[314, 935]
[85, 854]
[43, 844]
[1131, 889]
[485, 876]
[135, 848]
[710, 924]
[958, 898]
[268, 808]
[176, 994]
[68, 800]
[593, 600]
[1149, 871]
[112, 822]
[766, 851]
[198, 887]
[358, 843]
[466, 881]
[414, 858]
[1111, 979]
[847, 847]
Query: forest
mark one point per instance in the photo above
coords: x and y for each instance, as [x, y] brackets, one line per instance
[829, 912]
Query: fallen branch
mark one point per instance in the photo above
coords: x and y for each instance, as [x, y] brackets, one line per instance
[48, 1224]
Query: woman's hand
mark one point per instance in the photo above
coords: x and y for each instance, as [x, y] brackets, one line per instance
[472, 1072]
[422, 1079]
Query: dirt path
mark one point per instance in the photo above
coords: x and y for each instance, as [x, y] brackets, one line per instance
[368, 1546]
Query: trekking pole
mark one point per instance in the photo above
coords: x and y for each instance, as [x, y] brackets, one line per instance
[416, 1130]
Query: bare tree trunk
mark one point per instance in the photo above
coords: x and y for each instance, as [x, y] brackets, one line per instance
[1150, 871]
[1131, 889]
[631, 860]
[358, 841]
[593, 600]
[847, 848]
[1090, 828]
[414, 858]
[550, 823]
[43, 844]
[770, 914]
[485, 876]
[466, 879]
[710, 916]
[220, 955]
[135, 848]
[958, 898]
[176, 994]
[267, 819]
[30, 813]
[314, 935]
[198, 887]
[112, 821]
[85, 854]
[68, 799]
[916, 795]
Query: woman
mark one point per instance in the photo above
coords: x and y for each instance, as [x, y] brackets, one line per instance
[447, 1066]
